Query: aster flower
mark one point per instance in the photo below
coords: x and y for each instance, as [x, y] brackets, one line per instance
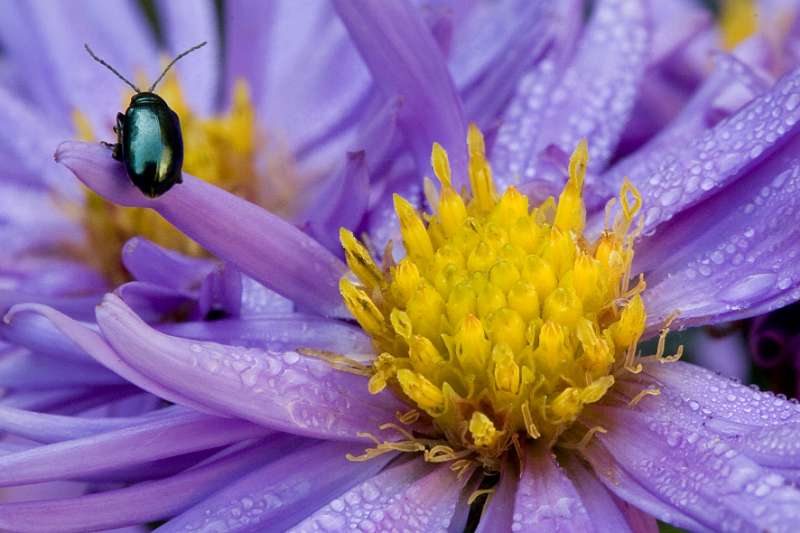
[499, 345]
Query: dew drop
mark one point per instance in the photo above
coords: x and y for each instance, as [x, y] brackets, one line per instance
[750, 287]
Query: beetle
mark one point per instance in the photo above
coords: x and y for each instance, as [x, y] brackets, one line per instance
[149, 139]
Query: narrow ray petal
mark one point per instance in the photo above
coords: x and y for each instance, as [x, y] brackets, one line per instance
[261, 244]
[154, 500]
[405, 61]
[285, 391]
[278, 495]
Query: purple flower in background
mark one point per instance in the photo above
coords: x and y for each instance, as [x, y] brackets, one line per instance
[495, 352]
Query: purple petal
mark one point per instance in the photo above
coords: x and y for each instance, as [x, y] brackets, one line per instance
[19, 368]
[707, 164]
[280, 333]
[498, 515]
[98, 348]
[591, 99]
[603, 508]
[693, 462]
[341, 203]
[168, 436]
[259, 243]
[412, 496]
[281, 493]
[154, 500]
[758, 424]
[186, 24]
[283, 391]
[153, 302]
[732, 255]
[405, 61]
[221, 292]
[42, 338]
[257, 300]
[546, 498]
[147, 261]
[492, 49]
[43, 427]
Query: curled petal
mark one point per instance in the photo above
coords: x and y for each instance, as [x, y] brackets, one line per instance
[285, 391]
[259, 243]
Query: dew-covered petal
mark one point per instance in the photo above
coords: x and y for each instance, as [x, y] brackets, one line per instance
[97, 347]
[546, 498]
[734, 254]
[281, 493]
[281, 390]
[602, 507]
[711, 162]
[259, 243]
[154, 500]
[167, 436]
[221, 293]
[759, 424]
[186, 24]
[590, 99]
[691, 468]
[280, 333]
[405, 61]
[147, 261]
[628, 488]
[411, 496]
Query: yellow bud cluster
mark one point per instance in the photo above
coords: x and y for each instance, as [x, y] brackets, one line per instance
[501, 320]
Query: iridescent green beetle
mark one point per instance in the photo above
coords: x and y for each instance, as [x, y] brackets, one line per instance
[149, 139]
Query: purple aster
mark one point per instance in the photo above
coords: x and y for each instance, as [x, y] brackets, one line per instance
[495, 353]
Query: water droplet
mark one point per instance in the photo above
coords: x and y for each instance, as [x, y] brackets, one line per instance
[749, 288]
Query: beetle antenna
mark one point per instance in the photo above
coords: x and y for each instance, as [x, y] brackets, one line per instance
[109, 67]
[182, 54]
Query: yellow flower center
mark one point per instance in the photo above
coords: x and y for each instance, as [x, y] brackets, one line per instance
[222, 150]
[502, 321]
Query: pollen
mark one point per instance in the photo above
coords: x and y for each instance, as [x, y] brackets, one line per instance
[222, 149]
[738, 20]
[503, 320]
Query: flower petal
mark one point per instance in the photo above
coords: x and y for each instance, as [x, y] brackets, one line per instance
[280, 333]
[279, 494]
[681, 456]
[405, 61]
[709, 163]
[411, 496]
[341, 203]
[44, 427]
[498, 515]
[259, 243]
[155, 500]
[602, 506]
[147, 261]
[546, 498]
[592, 99]
[168, 436]
[732, 255]
[20, 368]
[98, 348]
[283, 391]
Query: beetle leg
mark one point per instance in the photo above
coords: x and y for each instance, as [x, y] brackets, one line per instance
[116, 149]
